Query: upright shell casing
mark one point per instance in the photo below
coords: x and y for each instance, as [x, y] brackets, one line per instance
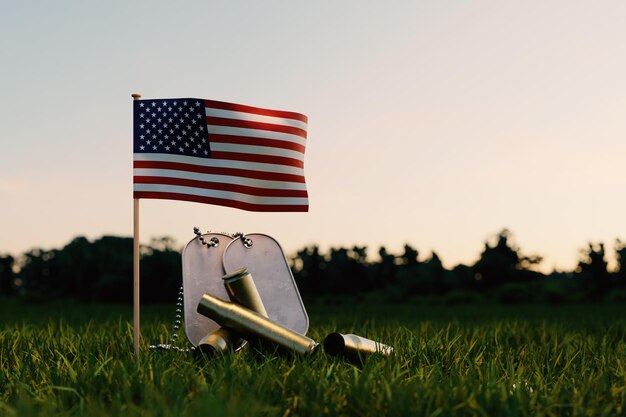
[241, 289]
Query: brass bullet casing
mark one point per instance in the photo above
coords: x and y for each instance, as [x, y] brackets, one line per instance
[242, 290]
[248, 322]
[353, 347]
[218, 341]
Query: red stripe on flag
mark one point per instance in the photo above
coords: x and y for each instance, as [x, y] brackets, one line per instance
[247, 140]
[236, 188]
[249, 124]
[221, 202]
[235, 172]
[251, 157]
[255, 110]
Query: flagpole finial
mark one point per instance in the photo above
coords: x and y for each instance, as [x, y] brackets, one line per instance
[136, 96]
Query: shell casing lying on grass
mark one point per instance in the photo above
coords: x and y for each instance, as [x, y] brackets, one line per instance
[354, 347]
[248, 322]
[219, 341]
[242, 290]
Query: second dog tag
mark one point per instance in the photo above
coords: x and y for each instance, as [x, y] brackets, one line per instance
[266, 262]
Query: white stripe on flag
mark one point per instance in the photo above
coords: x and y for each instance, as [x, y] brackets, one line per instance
[255, 133]
[224, 179]
[219, 163]
[228, 195]
[257, 150]
[251, 117]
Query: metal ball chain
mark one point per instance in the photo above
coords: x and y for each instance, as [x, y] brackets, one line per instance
[213, 243]
[178, 319]
[247, 242]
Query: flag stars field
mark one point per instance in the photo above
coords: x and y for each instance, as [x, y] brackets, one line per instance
[182, 128]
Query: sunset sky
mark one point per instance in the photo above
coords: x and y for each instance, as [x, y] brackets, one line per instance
[432, 123]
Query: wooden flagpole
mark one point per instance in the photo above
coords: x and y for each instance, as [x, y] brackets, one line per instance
[136, 255]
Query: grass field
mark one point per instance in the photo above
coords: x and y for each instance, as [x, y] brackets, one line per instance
[62, 359]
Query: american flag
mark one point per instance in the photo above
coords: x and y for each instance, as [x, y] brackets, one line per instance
[219, 153]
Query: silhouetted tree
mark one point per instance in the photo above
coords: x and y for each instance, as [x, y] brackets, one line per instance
[385, 271]
[161, 264]
[462, 278]
[620, 256]
[114, 270]
[308, 269]
[346, 270]
[409, 257]
[406, 279]
[593, 272]
[361, 278]
[501, 264]
[336, 271]
[79, 270]
[6, 275]
[434, 273]
[38, 274]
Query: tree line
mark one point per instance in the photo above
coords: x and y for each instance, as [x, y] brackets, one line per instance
[101, 271]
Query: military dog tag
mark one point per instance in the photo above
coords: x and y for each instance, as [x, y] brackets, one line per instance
[266, 262]
[202, 273]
